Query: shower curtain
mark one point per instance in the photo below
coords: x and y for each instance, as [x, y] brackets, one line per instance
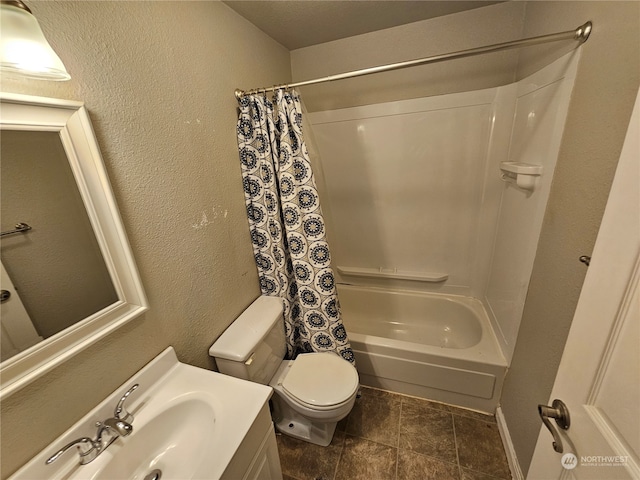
[286, 223]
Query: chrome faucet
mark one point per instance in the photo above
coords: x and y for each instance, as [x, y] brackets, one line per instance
[108, 431]
[115, 428]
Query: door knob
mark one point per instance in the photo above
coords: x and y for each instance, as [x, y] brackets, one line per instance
[560, 413]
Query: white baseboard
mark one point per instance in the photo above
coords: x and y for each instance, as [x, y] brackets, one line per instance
[514, 465]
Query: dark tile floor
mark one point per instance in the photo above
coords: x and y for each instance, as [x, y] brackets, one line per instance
[394, 437]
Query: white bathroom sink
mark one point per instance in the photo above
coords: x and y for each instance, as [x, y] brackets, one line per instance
[174, 442]
[188, 423]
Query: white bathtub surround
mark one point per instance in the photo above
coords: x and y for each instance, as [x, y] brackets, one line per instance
[403, 181]
[415, 186]
[415, 191]
[434, 346]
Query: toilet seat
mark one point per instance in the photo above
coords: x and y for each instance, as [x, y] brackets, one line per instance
[320, 381]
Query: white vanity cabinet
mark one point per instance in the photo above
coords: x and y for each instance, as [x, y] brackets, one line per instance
[257, 457]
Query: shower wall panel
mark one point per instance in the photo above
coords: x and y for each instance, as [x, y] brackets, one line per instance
[403, 186]
[414, 186]
[541, 105]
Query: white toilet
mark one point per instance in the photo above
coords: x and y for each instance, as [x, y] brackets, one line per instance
[312, 392]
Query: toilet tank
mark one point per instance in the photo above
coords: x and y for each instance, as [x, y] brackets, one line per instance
[253, 346]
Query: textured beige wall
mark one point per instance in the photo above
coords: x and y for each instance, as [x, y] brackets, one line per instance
[474, 28]
[57, 267]
[158, 81]
[605, 88]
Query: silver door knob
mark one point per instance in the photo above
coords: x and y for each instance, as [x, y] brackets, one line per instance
[560, 413]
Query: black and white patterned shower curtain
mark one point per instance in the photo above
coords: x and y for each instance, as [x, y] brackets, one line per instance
[286, 223]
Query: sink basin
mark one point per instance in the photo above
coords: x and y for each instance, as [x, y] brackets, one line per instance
[175, 442]
[189, 423]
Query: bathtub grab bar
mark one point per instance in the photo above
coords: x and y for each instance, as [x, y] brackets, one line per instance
[393, 274]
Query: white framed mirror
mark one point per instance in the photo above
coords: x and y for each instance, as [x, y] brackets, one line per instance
[72, 273]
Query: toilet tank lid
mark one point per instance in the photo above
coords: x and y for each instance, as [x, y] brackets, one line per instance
[240, 339]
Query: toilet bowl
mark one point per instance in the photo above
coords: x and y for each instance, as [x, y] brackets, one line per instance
[311, 393]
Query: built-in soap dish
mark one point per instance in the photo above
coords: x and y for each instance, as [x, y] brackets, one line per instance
[522, 174]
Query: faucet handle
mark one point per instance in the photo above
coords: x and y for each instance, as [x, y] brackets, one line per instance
[120, 412]
[86, 449]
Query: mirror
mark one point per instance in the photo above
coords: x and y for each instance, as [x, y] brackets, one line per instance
[68, 277]
[58, 258]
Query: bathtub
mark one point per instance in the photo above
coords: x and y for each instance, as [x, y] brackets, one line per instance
[434, 346]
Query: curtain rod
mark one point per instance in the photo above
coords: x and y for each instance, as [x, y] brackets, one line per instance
[580, 34]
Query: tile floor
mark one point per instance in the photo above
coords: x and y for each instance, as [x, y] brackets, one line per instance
[394, 437]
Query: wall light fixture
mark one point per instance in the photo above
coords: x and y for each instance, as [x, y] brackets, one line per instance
[23, 48]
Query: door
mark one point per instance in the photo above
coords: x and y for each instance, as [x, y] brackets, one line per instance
[18, 332]
[599, 374]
